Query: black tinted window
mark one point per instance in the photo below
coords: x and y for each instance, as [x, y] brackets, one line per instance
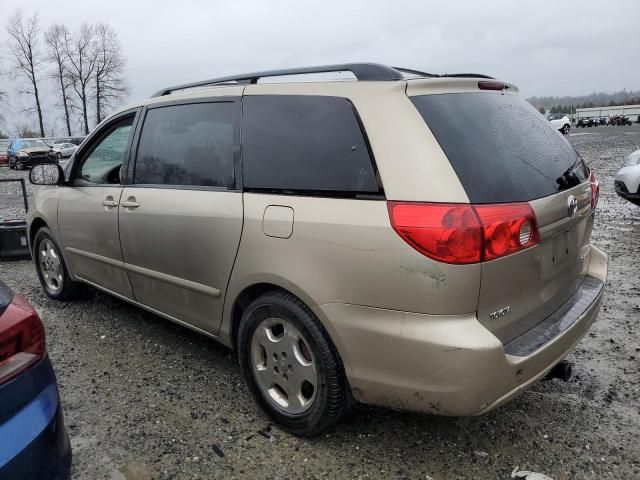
[304, 143]
[187, 145]
[502, 149]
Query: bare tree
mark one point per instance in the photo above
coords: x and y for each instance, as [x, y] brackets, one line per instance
[25, 131]
[109, 84]
[25, 51]
[56, 37]
[79, 50]
[2, 92]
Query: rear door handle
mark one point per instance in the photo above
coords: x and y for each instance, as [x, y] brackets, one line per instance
[130, 203]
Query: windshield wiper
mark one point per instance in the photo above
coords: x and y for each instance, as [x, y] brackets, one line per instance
[568, 179]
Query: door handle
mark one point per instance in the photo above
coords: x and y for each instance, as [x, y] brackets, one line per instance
[109, 202]
[130, 203]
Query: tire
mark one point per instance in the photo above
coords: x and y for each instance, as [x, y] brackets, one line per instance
[313, 350]
[67, 289]
[566, 129]
[58, 155]
[19, 165]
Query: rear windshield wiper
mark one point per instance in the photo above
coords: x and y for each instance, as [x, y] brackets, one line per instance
[569, 179]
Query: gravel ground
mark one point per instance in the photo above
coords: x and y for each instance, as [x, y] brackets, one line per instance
[145, 398]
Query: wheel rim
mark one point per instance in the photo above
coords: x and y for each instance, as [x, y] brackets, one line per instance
[283, 366]
[50, 266]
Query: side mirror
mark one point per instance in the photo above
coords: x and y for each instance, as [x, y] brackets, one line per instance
[46, 174]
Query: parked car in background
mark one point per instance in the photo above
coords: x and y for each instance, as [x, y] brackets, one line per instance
[33, 440]
[26, 152]
[4, 155]
[390, 269]
[627, 181]
[62, 150]
[619, 120]
[584, 122]
[560, 122]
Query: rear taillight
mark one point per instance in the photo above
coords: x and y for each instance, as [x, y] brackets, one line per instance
[507, 228]
[595, 189]
[460, 234]
[22, 339]
[449, 233]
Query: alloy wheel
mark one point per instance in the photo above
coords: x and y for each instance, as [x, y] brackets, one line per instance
[50, 266]
[284, 366]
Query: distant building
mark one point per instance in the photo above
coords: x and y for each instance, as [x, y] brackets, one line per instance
[631, 111]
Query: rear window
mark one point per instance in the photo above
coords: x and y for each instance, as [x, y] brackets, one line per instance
[304, 144]
[500, 147]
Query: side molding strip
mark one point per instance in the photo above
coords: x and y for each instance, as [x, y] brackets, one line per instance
[180, 282]
[93, 256]
[163, 277]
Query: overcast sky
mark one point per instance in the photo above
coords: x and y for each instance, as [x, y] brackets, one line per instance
[544, 47]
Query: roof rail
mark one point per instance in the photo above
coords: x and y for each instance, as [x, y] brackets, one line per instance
[415, 72]
[441, 75]
[362, 72]
[466, 75]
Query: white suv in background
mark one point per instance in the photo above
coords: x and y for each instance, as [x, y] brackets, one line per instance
[560, 122]
[627, 181]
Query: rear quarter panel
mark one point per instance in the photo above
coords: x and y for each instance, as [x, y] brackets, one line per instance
[345, 251]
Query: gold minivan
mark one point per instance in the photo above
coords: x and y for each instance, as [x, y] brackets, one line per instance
[387, 236]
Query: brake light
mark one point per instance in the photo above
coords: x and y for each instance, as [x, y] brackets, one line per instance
[22, 339]
[462, 234]
[489, 85]
[595, 189]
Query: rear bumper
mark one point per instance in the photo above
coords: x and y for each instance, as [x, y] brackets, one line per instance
[34, 442]
[447, 365]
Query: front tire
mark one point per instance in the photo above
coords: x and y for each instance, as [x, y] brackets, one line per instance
[291, 365]
[58, 155]
[566, 129]
[51, 268]
[19, 165]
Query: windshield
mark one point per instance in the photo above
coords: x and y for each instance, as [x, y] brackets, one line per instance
[32, 144]
[501, 148]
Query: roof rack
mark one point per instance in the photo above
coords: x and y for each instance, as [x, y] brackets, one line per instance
[466, 75]
[362, 72]
[415, 72]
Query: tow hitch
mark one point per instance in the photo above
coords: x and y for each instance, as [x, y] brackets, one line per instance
[562, 371]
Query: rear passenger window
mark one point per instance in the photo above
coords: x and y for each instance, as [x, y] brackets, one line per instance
[304, 143]
[187, 145]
